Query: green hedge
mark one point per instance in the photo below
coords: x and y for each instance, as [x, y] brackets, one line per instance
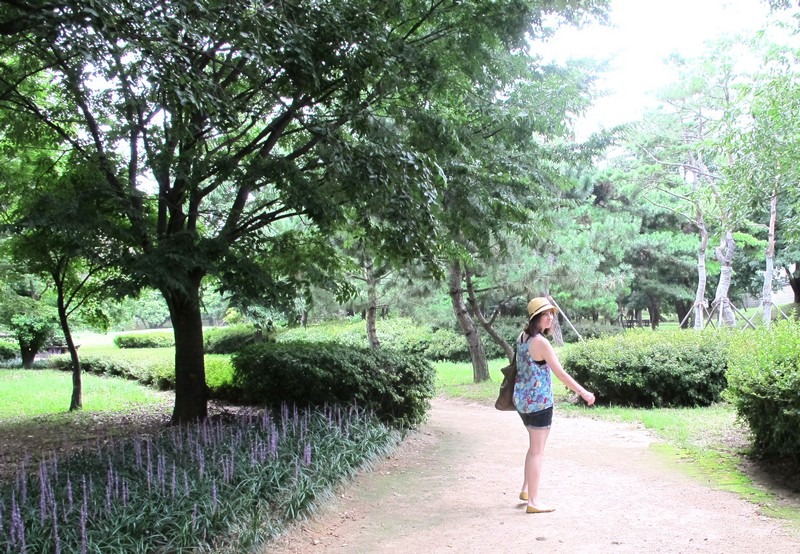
[157, 374]
[403, 335]
[398, 387]
[8, 350]
[227, 340]
[643, 368]
[145, 340]
[589, 330]
[155, 371]
[764, 386]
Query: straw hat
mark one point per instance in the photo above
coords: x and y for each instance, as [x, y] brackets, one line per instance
[539, 305]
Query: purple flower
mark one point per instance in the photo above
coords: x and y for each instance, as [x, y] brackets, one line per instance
[84, 517]
[42, 493]
[149, 467]
[307, 454]
[18, 527]
[69, 494]
[137, 451]
[55, 528]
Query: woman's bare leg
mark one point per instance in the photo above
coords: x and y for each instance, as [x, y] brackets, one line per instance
[533, 464]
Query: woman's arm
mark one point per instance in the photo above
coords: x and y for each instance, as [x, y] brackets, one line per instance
[545, 349]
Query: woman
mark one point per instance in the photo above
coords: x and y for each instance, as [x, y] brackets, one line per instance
[533, 393]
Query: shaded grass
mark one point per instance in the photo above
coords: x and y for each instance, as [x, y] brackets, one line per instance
[28, 393]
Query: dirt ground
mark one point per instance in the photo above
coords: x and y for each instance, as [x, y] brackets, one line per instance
[453, 485]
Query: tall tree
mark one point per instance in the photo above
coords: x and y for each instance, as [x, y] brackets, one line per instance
[504, 147]
[210, 121]
[765, 176]
[65, 249]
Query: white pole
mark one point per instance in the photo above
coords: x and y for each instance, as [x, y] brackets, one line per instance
[553, 302]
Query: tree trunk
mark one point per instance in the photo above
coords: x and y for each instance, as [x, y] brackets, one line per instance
[28, 354]
[555, 331]
[76, 401]
[480, 367]
[478, 311]
[794, 281]
[372, 307]
[654, 309]
[682, 308]
[724, 253]
[191, 396]
[702, 275]
[766, 292]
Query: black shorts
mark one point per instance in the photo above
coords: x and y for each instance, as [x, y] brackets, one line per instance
[538, 420]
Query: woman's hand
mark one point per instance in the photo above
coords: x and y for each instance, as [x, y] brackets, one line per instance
[588, 397]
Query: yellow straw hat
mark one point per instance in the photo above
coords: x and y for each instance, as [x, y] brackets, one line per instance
[538, 305]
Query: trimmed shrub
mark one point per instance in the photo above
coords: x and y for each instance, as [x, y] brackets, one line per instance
[589, 330]
[764, 387]
[403, 335]
[652, 369]
[160, 374]
[145, 340]
[398, 387]
[227, 340]
[8, 350]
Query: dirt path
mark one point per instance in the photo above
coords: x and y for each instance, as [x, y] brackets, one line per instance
[452, 487]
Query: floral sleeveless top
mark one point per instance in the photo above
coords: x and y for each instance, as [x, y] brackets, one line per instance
[533, 388]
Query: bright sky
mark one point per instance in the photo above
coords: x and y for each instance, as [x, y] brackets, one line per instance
[641, 35]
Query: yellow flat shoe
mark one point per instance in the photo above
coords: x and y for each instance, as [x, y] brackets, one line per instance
[534, 510]
[523, 496]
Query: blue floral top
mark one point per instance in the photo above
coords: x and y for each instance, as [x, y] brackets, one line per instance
[533, 388]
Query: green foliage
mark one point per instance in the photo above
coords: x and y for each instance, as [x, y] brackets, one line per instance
[398, 387]
[589, 330]
[764, 386]
[159, 373]
[8, 350]
[403, 335]
[221, 486]
[652, 369]
[154, 367]
[219, 374]
[227, 340]
[145, 340]
[506, 327]
[264, 144]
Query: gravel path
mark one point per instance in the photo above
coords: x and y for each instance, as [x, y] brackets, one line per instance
[452, 487]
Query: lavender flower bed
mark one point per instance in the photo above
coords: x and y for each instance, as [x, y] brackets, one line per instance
[226, 486]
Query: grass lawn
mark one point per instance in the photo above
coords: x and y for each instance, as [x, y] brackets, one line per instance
[29, 393]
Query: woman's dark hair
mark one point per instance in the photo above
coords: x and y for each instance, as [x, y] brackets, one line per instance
[533, 326]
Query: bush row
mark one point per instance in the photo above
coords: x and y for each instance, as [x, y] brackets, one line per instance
[217, 340]
[589, 330]
[433, 342]
[8, 350]
[154, 371]
[397, 386]
[652, 369]
[403, 335]
[145, 340]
